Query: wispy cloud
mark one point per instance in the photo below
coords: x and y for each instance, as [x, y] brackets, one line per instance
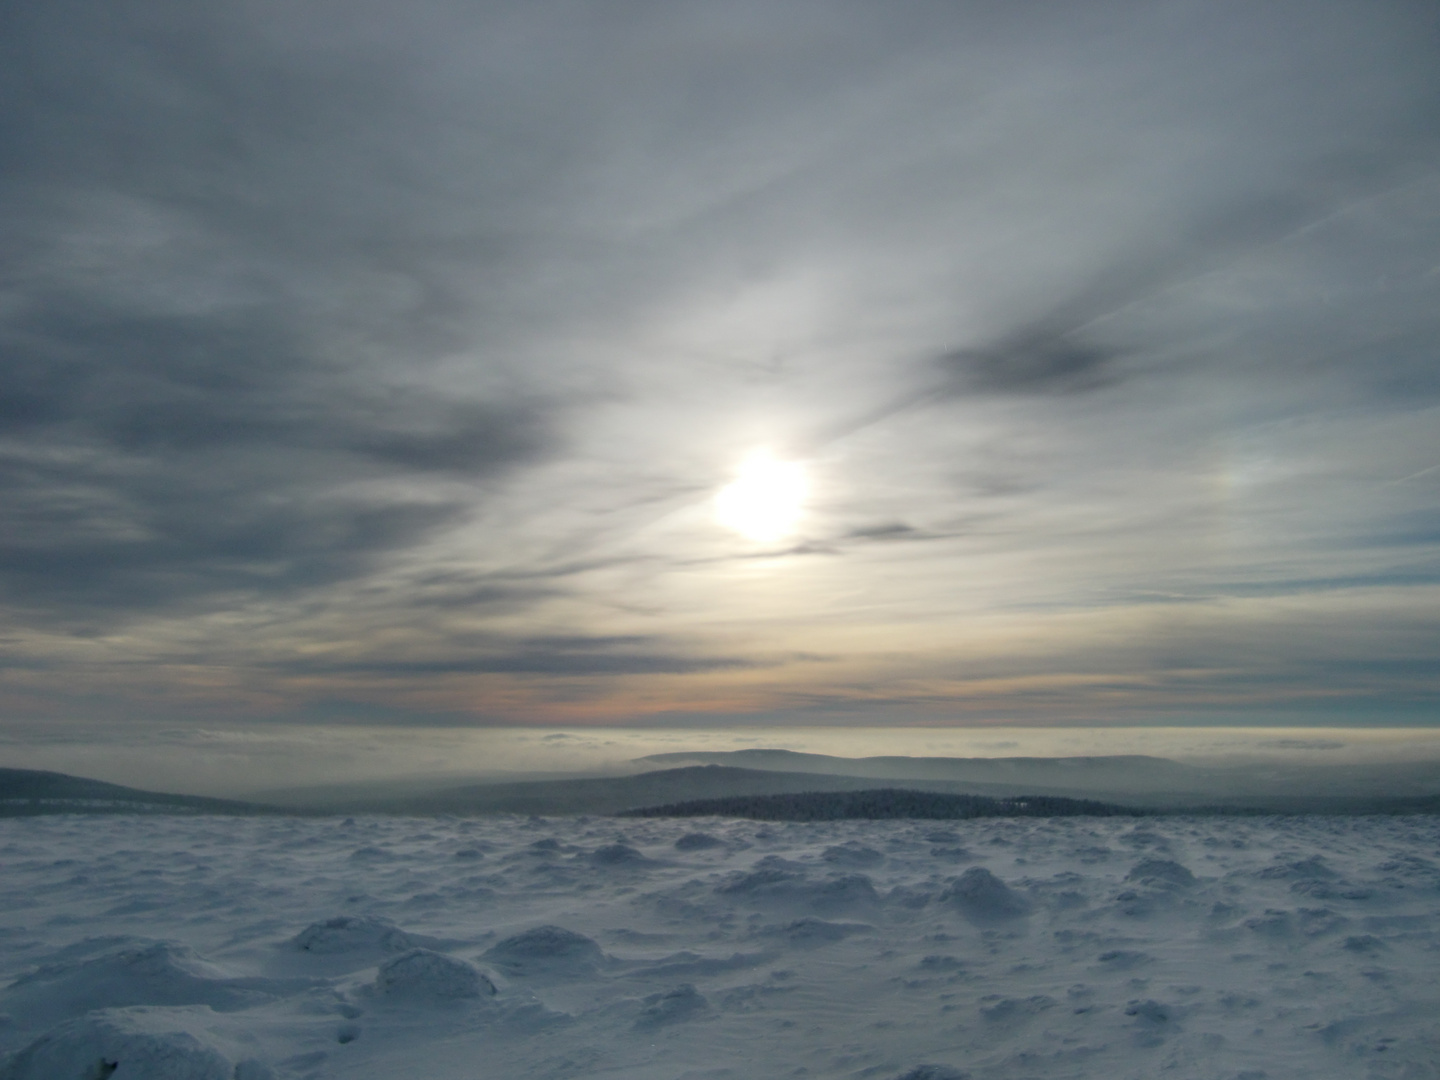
[393, 360]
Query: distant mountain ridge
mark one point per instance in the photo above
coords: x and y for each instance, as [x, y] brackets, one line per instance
[1151, 784]
[1158, 782]
[1109, 775]
[27, 792]
[882, 804]
[800, 761]
[1109, 780]
[610, 794]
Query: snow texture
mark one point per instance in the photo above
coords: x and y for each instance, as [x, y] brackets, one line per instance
[352, 933]
[546, 950]
[124, 1044]
[698, 841]
[421, 974]
[984, 897]
[1282, 948]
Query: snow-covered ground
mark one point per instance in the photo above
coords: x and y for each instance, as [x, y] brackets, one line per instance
[148, 948]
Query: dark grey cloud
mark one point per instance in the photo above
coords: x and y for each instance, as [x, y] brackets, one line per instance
[890, 530]
[190, 459]
[1065, 350]
[186, 417]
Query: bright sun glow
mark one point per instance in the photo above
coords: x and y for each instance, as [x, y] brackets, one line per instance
[765, 500]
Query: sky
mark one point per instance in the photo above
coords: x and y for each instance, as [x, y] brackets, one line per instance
[405, 365]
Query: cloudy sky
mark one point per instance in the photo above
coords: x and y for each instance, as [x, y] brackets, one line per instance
[384, 363]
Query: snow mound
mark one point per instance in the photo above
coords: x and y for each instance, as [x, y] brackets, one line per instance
[1009, 1010]
[762, 878]
[353, 933]
[1123, 959]
[1303, 922]
[1153, 1021]
[618, 855]
[1314, 877]
[428, 975]
[1157, 884]
[811, 932]
[1161, 874]
[1148, 1011]
[158, 973]
[371, 854]
[1312, 869]
[1364, 943]
[127, 1044]
[1408, 866]
[941, 962]
[981, 895]
[546, 950]
[697, 841]
[851, 854]
[844, 892]
[933, 1072]
[672, 1006]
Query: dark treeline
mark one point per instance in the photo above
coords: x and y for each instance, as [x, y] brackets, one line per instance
[882, 803]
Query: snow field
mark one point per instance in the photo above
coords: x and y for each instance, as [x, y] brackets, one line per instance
[211, 948]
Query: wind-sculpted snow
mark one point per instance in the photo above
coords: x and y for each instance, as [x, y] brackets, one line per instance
[983, 897]
[424, 975]
[852, 854]
[130, 1044]
[353, 933]
[672, 1006]
[656, 949]
[156, 973]
[811, 932]
[546, 950]
[698, 841]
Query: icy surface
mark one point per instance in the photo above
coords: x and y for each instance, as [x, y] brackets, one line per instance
[241, 949]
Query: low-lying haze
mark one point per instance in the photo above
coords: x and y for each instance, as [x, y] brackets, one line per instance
[244, 762]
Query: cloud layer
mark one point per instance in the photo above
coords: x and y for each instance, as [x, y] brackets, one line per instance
[356, 360]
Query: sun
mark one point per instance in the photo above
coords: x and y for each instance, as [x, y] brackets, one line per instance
[765, 500]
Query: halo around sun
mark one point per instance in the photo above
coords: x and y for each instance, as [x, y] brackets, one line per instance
[765, 500]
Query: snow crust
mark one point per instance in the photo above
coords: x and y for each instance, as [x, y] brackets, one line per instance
[306, 949]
